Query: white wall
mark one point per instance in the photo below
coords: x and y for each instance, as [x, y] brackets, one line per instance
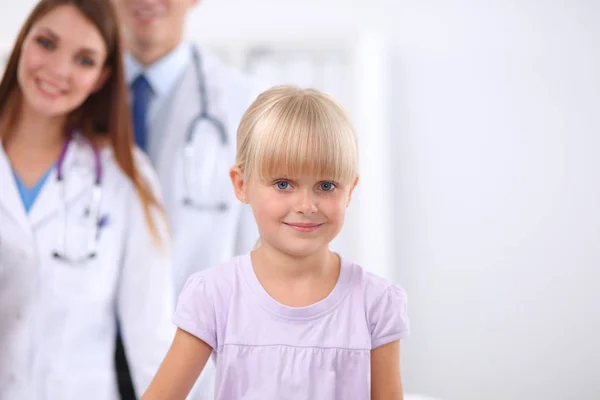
[497, 182]
[498, 190]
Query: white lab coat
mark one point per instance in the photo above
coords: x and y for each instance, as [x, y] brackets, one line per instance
[57, 321]
[203, 239]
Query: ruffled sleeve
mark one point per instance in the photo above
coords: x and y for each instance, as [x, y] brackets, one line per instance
[388, 317]
[195, 311]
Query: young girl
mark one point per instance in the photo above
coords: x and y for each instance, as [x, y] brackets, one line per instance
[291, 320]
[82, 242]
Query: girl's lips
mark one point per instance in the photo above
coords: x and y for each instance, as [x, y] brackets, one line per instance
[303, 227]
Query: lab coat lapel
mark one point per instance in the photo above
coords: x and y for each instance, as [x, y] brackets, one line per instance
[172, 122]
[10, 199]
[78, 178]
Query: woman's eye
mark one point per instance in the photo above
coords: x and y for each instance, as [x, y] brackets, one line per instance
[327, 186]
[282, 185]
[45, 43]
[85, 61]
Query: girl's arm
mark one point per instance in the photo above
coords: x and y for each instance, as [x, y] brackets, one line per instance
[179, 370]
[386, 383]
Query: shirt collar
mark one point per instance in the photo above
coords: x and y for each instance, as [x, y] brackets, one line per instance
[163, 74]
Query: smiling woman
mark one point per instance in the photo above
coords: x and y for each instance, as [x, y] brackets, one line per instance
[82, 241]
[62, 62]
[67, 66]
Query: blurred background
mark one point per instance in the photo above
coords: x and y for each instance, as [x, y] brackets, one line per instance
[479, 127]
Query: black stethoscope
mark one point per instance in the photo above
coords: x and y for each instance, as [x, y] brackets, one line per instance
[211, 125]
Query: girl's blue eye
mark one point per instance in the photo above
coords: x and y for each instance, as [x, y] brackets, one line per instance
[327, 186]
[282, 185]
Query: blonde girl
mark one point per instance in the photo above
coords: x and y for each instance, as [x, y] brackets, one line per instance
[292, 319]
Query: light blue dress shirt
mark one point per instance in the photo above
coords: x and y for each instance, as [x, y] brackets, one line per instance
[163, 76]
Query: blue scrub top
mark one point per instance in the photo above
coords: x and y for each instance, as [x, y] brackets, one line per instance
[29, 194]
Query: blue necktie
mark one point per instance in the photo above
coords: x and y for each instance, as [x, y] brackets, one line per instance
[141, 98]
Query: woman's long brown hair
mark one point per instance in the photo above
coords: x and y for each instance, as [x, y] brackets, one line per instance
[105, 114]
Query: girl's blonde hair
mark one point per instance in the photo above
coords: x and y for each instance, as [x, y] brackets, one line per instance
[288, 132]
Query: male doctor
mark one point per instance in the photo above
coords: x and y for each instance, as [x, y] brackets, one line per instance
[186, 107]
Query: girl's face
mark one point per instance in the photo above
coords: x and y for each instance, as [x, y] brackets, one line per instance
[298, 216]
[62, 62]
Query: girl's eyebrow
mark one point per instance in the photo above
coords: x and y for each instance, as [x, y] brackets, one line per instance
[294, 181]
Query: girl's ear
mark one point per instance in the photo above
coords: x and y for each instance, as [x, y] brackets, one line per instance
[239, 185]
[352, 190]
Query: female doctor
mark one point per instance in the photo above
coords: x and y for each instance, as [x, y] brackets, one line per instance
[82, 237]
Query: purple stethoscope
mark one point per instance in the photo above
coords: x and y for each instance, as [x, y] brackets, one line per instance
[92, 212]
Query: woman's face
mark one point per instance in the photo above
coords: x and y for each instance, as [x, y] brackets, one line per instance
[62, 62]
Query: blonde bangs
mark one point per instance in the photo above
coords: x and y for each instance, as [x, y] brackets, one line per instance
[292, 132]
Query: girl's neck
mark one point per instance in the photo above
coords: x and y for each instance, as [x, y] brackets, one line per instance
[293, 281]
[277, 265]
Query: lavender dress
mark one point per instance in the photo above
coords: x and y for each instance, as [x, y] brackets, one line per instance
[264, 350]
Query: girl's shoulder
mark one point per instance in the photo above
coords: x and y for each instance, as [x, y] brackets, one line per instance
[372, 286]
[216, 283]
[384, 303]
[203, 304]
